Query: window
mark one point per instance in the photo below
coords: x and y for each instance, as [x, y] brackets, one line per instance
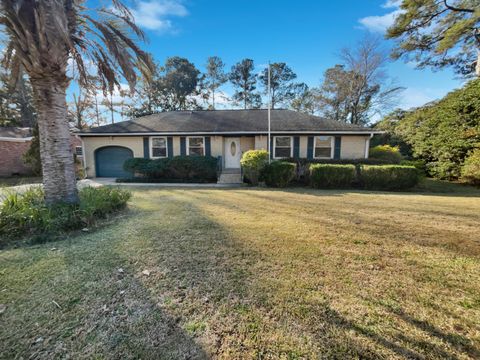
[323, 147]
[159, 147]
[78, 151]
[283, 147]
[196, 146]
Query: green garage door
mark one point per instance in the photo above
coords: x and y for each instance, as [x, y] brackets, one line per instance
[109, 161]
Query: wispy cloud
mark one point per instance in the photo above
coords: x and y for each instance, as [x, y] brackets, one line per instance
[155, 14]
[380, 23]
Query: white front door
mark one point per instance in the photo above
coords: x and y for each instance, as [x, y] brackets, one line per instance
[232, 153]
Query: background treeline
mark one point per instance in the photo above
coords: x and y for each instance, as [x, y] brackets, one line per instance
[444, 134]
[353, 90]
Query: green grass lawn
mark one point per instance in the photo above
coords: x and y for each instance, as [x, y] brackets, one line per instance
[247, 273]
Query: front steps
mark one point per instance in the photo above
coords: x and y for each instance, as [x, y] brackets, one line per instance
[230, 176]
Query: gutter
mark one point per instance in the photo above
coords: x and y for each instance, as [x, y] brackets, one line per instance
[337, 132]
[10, 139]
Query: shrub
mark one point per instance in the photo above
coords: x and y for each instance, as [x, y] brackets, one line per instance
[303, 165]
[279, 173]
[388, 153]
[331, 176]
[184, 168]
[471, 168]
[201, 168]
[27, 213]
[253, 162]
[389, 177]
[136, 165]
[419, 164]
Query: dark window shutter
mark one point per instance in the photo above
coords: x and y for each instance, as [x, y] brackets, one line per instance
[146, 148]
[170, 146]
[310, 148]
[183, 146]
[272, 139]
[208, 146]
[338, 146]
[296, 147]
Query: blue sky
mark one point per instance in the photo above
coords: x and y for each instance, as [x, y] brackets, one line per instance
[305, 34]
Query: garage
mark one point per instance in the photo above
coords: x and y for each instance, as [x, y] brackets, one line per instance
[109, 161]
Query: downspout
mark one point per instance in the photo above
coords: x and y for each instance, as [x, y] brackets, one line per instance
[367, 145]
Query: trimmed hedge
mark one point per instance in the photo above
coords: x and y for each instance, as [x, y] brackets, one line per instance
[332, 176]
[387, 153]
[279, 173]
[253, 162]
[183, 168]
[389, 177]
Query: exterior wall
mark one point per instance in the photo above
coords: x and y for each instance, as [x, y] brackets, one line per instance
[90, 144]
[11, 160]
[247, 143]
[354, 147]
[216, 145]
[303, 146]
[261, 142]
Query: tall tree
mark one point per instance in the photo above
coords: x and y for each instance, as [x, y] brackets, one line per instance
[244, 80]
[16, 105]
[79, 109]
[304, 98]
[215, 76]
[281, 86]
[439, 33]
[43, 35]
[334, 98]
[360, 87]
[178, 85]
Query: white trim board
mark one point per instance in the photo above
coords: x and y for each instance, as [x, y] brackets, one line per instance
[325, 132]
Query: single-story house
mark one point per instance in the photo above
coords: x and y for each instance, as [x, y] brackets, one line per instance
[225, 134]
[14, 143]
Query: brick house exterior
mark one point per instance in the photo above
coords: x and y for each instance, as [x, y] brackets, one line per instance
[14, 143]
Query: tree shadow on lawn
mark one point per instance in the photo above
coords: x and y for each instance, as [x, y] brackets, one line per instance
[203, 274]
[92, 304]
[470, 192]
[430, 235]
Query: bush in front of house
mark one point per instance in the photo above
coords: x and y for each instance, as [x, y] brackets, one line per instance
[253, 162]
[279, 173]
[471, 168]
[27, 213]
[418, 163]
[390, 154]
[332, 176]
[177, 168]
[388, 177]
[202, 168]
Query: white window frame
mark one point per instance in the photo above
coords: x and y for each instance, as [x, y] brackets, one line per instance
[275, 147]
[332, 147]
[188, 144]
[151, 147]
[76, 152]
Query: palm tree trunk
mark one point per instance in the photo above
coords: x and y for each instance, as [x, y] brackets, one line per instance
[55, 149]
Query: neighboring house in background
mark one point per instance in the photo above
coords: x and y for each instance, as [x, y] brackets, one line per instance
[220, 133]
[14, 143]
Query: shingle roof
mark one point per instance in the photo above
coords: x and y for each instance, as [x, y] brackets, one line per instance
[226, 121]
[15, 132]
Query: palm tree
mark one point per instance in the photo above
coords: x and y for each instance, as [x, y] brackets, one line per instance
[43, 36]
